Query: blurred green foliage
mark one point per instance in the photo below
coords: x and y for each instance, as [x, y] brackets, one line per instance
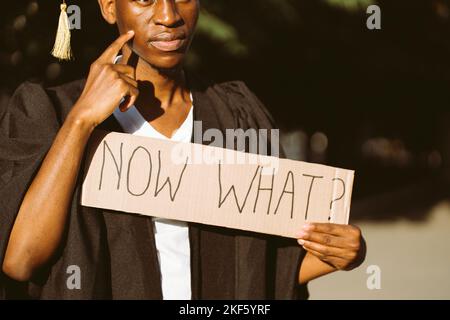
[217, 28]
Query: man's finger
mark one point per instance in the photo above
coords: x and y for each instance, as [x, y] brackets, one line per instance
[124, 69]
[130, 98]
[111, 52]
[317, 254]
[323, 249]
[323, 238]
[129, 101]
[332, 261]
[329, 228]
[129, 80]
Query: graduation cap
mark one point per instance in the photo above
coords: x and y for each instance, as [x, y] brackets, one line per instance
[61, 48]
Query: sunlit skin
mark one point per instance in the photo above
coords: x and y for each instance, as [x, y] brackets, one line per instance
[154, 38]
[154, 21]
[163, 33]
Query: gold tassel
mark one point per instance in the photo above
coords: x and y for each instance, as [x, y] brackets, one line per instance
[62, 49]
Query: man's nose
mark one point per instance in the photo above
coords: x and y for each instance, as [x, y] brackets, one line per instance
[166, 13]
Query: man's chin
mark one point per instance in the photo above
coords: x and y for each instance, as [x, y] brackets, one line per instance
[165, 65]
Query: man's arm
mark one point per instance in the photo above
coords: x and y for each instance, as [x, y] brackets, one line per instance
[40, 222]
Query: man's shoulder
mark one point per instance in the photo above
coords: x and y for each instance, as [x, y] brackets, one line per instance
[37, 91]
[239, 100]
[234, 93]
[72, 88]
[222, 88]
[33, 85]
[36, 99]
[65, 95]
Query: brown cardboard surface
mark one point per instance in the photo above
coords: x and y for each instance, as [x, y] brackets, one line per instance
[210, 185]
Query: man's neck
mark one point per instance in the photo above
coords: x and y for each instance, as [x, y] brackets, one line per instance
[169, 86]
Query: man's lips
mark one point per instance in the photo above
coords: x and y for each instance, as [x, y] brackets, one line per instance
[167, 45]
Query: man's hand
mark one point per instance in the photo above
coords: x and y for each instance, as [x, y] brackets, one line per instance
[106, 84]
[340, 246]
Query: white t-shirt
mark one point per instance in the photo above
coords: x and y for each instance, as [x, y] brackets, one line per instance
[171, 237]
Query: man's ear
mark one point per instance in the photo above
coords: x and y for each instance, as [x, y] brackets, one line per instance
[108, 9]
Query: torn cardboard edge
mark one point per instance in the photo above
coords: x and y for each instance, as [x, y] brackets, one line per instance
[210, 185]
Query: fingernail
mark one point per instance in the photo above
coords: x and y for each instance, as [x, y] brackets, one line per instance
[302, 234]
[301, 242]
[130, 32]
[307, 226]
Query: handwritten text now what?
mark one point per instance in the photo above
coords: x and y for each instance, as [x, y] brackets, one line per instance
[262, 194]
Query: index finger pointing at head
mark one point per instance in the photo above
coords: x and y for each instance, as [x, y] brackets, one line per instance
[112, 51]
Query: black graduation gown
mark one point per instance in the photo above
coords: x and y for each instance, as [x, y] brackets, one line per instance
[115, 251]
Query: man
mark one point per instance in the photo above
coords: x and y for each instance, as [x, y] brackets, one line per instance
[45, 231]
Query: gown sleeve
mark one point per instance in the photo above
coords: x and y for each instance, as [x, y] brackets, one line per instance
[28, 125]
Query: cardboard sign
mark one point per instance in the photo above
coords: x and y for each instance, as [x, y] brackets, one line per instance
[210, 185]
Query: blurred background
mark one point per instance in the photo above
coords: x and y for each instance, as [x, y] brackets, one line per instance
[375, 101]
